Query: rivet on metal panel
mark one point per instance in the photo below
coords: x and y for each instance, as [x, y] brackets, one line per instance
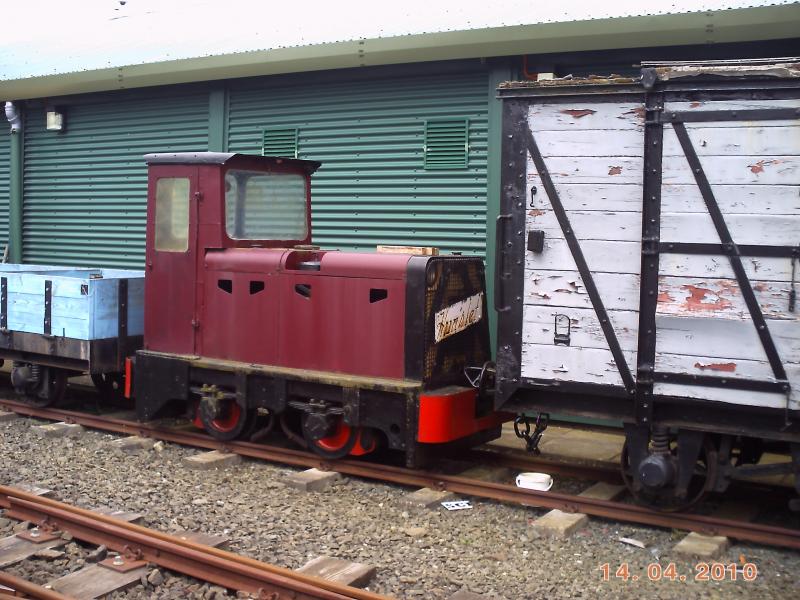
[655, 170]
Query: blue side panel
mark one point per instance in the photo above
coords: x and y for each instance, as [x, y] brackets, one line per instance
[83, 302]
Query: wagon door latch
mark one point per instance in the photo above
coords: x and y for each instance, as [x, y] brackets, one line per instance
[562, 330]
[522, 427]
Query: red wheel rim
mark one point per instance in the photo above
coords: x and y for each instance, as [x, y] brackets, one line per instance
[337, 440]
[232, 415]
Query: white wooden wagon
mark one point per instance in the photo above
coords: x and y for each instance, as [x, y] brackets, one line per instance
[647, 261]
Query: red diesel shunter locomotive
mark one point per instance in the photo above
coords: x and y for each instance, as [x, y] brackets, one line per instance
[345, 350]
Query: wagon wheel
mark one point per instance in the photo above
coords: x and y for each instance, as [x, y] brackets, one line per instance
[229, 422]
[110, 385]
[49, 388]
[343, 441]
[664, 499]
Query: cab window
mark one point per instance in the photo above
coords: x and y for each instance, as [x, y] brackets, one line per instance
[172, 214]
[265, 206]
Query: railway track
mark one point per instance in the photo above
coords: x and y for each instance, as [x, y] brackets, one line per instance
[618, 511]
[13, 587]
[141, 545]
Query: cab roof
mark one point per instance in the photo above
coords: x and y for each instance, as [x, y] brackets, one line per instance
[221, 158]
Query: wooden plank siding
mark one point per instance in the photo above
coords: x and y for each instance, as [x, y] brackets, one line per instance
[594, 154]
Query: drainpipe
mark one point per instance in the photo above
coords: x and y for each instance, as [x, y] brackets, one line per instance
[13, 251]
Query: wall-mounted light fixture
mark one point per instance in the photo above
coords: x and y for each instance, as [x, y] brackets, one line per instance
[55, 119]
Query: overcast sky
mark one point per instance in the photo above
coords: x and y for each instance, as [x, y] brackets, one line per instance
[40, 37]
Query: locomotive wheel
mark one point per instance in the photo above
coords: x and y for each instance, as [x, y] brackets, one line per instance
[343, 441]
[231, 423]
[663, 499]
[110, 385]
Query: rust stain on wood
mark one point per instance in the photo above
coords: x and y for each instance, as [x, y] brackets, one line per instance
[638, 112]
[695, 104]
[698, 299]
[726, 367]
[614, 170]
[536, 212]
[578, 112]
[665, 297]
[759, 166]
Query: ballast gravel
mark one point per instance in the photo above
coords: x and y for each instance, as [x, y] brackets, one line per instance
[490, 549]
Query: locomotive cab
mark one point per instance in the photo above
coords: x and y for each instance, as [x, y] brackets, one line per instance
[208, 202]
[246, 322]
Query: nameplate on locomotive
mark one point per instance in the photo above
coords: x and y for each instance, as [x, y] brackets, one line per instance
[457, 317]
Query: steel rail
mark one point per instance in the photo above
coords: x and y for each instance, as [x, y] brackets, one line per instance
[196, 560]
[31, 590]
[618, 511]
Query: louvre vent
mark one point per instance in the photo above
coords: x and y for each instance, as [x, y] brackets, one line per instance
[446, 144]
[279, 142]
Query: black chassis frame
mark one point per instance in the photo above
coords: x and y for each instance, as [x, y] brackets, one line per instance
[392, 406]
[634, 401]
[90, 356]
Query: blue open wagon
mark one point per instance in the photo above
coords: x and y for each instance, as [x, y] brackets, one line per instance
[57, 322]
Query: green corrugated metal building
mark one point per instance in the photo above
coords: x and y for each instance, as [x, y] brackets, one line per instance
[409, 140]
[84, 189]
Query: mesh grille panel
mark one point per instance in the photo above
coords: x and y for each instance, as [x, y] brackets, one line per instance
[451, 280]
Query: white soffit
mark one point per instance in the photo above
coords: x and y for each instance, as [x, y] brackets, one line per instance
[51, 48]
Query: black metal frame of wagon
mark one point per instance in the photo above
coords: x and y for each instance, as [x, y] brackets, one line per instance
[90, 356]
[634, 401]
